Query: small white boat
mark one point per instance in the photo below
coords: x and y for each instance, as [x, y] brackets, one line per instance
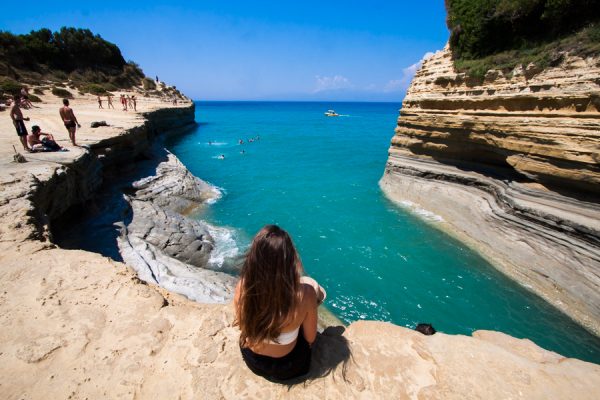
[331, 113]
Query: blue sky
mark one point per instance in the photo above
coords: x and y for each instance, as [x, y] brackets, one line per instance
[259, 50]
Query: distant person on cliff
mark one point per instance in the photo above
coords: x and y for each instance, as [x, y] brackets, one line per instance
[39, 143]
[100, 102]
[276, 308]
[69, 119]
[156, 78]
[109, 102]
[17, 118]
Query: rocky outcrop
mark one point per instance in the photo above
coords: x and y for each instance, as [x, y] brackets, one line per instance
[166, 247]
[511, 165]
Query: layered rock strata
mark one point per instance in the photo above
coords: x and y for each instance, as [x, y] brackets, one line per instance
[166, 247]
[511, 165]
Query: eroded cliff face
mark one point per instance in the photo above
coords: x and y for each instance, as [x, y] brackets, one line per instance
[511, 165]
[541, 125]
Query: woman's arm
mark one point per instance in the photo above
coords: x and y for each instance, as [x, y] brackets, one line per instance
[309, 325]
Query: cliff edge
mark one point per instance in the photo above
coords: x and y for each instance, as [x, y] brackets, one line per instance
[511, 165]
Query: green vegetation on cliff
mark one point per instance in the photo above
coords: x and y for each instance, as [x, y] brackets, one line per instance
[88, 62]
[501, 34]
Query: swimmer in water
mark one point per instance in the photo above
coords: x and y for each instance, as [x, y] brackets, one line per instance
[243, 152]
[222, 157]
[240, 141]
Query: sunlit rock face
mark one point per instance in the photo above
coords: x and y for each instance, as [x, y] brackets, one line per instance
[510, 162]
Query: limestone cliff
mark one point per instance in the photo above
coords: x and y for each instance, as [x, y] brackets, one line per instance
[511, 164]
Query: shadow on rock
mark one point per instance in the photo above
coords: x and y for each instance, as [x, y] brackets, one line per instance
[330, 351]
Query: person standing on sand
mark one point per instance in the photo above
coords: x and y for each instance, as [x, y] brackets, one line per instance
[134, 101]
[124, 102]
[109, 101]
[17, 118]
[129, 103]
[100, 102]
[69, 119]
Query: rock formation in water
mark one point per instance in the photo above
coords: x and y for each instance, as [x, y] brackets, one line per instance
[511, 165]
[165, 246]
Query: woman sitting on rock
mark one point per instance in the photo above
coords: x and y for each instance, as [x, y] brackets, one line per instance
[276, 308]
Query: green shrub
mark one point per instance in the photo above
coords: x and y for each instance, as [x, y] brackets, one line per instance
[110, 87]
[94, 88]
[483, 27]
[148, 84]
[34, 99]
[10, 86]
[543, 55]
[60, 92]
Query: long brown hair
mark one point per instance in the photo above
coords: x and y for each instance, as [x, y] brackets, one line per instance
[270, 286]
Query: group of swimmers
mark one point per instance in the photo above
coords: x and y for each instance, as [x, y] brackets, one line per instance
[256, 138]
[38, 140]
[240, 142]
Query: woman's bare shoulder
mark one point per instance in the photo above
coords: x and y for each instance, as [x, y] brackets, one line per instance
[309, 297]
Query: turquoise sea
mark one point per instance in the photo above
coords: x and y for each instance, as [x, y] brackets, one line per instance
[317, 177]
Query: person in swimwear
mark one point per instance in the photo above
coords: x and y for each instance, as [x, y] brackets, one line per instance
[109, 101]
[17, 118]
[45, 143]
[276, 308]
[69, 119]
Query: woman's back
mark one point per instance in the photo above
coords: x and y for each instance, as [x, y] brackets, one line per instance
[275, 311]
[303, 318]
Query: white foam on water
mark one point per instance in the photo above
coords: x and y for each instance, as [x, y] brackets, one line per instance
[225, 246]
[421, 212]
[218, 194]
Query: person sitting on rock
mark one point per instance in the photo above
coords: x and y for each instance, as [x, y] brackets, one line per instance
[276, 308]
[39, 143]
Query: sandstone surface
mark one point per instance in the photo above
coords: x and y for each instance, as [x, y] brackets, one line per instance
[82, 326]
[511, 165]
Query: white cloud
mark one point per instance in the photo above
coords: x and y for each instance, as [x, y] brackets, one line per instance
[331, 83]
[395, 85]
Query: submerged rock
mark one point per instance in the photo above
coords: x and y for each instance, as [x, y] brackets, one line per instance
[165, 246]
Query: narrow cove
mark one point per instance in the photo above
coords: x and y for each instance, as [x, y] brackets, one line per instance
[317, 178]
